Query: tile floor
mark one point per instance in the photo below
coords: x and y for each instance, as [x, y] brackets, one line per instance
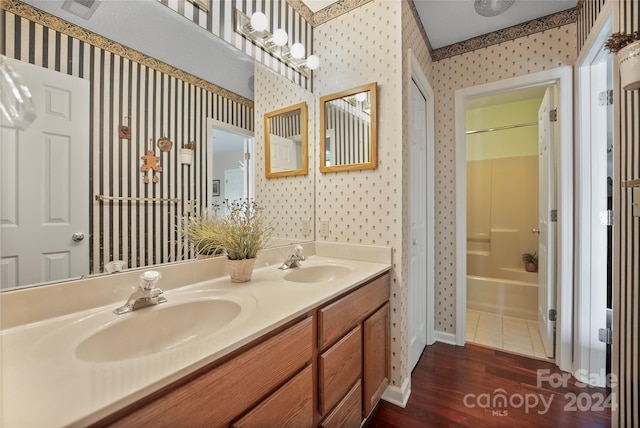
[511, 334]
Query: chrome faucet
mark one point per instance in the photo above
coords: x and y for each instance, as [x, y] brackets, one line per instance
[294, 259]
[147, 294]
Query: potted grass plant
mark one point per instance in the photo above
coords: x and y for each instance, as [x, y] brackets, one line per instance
[627, 49]
[203, 231]
[242, 233]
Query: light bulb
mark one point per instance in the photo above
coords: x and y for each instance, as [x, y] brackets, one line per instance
[313, 62]
[259, 21]
[280, 37]
[297, 51]
[361, 96]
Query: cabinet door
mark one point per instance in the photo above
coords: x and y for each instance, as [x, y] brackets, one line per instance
[376, 357]
[290, 406]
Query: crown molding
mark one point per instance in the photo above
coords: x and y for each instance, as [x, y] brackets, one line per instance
[47, 20]
[538, 25]
[328, 13]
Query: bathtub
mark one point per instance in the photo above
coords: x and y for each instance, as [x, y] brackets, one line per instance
[502, 296]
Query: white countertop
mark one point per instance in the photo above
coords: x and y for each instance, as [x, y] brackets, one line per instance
[45, 384]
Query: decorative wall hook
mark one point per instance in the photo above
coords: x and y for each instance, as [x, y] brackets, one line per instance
[164, 144]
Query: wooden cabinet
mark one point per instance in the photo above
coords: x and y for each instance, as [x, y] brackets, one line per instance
[348, 413]
[328, 369]
[376, 358]
[353, 341]
[290, 406]
[218, 396]
[339, 368]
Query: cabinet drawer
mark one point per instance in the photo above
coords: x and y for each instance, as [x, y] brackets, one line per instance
[232, 387]
[341, 316]
[339, 368]
[290, 406]
[348, 413]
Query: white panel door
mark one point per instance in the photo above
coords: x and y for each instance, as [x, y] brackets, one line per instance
[44, 182]
[418, 221]
[233, 184]
[546, 225]
[283, 154]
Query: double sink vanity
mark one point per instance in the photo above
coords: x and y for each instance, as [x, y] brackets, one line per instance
[307, 346]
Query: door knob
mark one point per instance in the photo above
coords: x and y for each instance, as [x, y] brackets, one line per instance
[77, 237]
[534, 230]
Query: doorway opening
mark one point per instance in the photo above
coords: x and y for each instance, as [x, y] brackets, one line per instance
[229, 165]
[594, 201]
[505, 138]
[562, 217]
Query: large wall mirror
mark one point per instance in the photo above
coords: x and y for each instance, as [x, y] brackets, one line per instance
[349, 129]
[286, 142]
[140, 226]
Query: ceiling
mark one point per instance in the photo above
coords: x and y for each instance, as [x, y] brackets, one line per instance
[450, 21]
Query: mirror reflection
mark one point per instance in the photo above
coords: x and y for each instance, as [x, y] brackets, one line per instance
[127, 221]
[286, 141]
[348, 129]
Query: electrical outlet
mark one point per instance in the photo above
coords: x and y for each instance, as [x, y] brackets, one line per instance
[324, 227]
[306, 226]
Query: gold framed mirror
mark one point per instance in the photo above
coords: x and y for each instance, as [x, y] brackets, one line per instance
[349, 129]
[286, 141]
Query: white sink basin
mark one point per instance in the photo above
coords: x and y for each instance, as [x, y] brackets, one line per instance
[158, 328]
[319, 273]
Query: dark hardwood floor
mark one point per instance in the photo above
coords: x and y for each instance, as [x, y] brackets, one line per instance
[473, 386]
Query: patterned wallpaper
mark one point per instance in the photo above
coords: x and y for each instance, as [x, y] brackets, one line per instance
[365, 207]
[548, 49]
[291, 195]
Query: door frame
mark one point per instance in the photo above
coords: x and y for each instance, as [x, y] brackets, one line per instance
[563, 78]
[587, 296]
[416, 73]
[214, 123]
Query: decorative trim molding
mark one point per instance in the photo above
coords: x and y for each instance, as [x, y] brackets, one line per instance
[45, 19]
[448, 338]
[304, 11]
[538, 25]
[328, 13]
[398, 395]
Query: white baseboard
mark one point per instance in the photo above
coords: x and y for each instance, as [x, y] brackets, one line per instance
[444, 337]
[398, 396]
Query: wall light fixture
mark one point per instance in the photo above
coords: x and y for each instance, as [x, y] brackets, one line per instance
[255, 29]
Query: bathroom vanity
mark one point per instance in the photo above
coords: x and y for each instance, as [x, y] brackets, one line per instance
[327, 367]
[305, 347]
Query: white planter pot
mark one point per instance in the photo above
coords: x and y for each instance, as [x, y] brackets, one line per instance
[186, 156]
[629, 61]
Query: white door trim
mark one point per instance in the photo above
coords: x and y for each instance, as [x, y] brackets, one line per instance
[588, 293]
[214, 123]
[415, 72]
[563, 77]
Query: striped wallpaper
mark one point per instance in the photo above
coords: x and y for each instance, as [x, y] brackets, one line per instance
[286, 125]
[626, 303]
[349, 131]
[154, 104]
[220, 20]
